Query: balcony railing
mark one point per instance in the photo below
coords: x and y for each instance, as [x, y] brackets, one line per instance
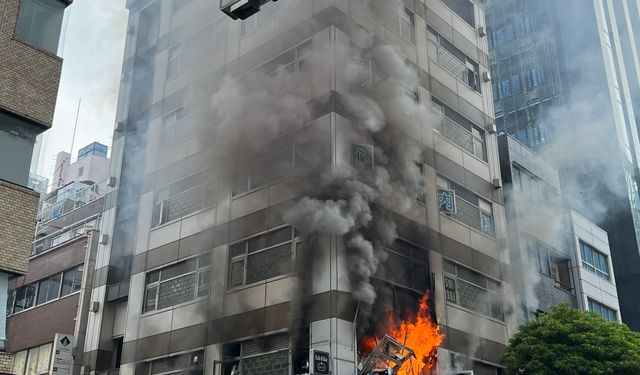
[69, 198]
[461, 137]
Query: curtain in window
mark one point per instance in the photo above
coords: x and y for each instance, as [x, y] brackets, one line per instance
[39, 23]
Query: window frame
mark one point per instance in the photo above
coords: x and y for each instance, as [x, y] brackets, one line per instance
[599, 307]
[592, 266]
[156, 284]
[447, 184]
[442, 43]
[13, 294]
[295, 240]
[478, 134]
[496, 292]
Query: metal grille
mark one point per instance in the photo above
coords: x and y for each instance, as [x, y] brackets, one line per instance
[268, 364]
[265, 344]
[463, 8]
[468, 213]
[457, 134]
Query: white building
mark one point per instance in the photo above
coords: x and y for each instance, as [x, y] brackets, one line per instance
[593, 270]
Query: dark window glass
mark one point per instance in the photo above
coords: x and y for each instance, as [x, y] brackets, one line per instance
[39, 23]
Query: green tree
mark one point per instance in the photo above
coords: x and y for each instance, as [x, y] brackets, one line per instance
[567, 341]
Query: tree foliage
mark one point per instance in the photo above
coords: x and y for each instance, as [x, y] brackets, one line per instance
[571, 342]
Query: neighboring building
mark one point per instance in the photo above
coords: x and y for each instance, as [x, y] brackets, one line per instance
[593, 271]
[92, 164]
[30, 73]
[54, 295]
[539, 233]
[565, 78]
[184, 284]
[558, 255]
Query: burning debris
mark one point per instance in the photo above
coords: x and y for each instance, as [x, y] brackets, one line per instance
[408, 348]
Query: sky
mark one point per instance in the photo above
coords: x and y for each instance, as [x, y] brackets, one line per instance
[92, 46]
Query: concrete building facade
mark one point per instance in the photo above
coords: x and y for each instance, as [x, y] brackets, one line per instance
[198, 273]
[29, 72]
[559, 255]
[550, 62]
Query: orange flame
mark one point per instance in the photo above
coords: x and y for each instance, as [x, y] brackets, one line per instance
[422, 336]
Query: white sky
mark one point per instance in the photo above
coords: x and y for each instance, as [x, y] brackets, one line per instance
[92, 45]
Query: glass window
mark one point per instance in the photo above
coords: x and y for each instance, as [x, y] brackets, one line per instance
[25, 297]
[72, 281]
[459, 130]
[174, 63]
[362, 157]
[44, 357]
[463, 8]
[20, 362]
[39, 23]
[408, 26]
[594, 261]
[470, 209]
[605, 312]
[262, 257]
[179, 283]
[49, 289]
[472, 290]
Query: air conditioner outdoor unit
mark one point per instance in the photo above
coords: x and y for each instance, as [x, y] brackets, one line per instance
[482, 32]
[120, 125]
[112, 182]
[104, 239]
[486, 76]
[493, 129]
[241, 9]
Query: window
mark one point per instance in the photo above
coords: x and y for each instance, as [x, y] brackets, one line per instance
[43, 291]
[604, 311]
[399, 20]
[362, 157]
[408, 26]
[262, 257]
[539, 254]
[469, 208]
[277, 166]
[25, 297]
[33, 361]
[49, 289]
[452, 59]
[458, 129]
[174, 129]
[295, 60]
[39, 23]
[182, 198]
[535, 77]
[268, 355]
[72, 281]
[178, 283]
[174, 63]
[188, 364]
[546, 261]
[463, 8]
[473, 291]
[594, 261]
[529, 186]
[406, 265]
[267, 13]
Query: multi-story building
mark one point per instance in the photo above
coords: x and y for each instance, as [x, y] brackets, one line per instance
[92, 164]
[558, 255]
[53, 297]
[29, 72]
[539, 232]
[199, 272]
[565, 78]
[593, 272]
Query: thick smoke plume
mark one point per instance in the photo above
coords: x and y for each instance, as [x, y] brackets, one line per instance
[251, 118]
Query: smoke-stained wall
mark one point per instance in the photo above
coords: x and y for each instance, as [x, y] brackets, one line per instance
[579, 109]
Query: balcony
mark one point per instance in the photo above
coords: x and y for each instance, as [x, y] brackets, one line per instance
[68, 198]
